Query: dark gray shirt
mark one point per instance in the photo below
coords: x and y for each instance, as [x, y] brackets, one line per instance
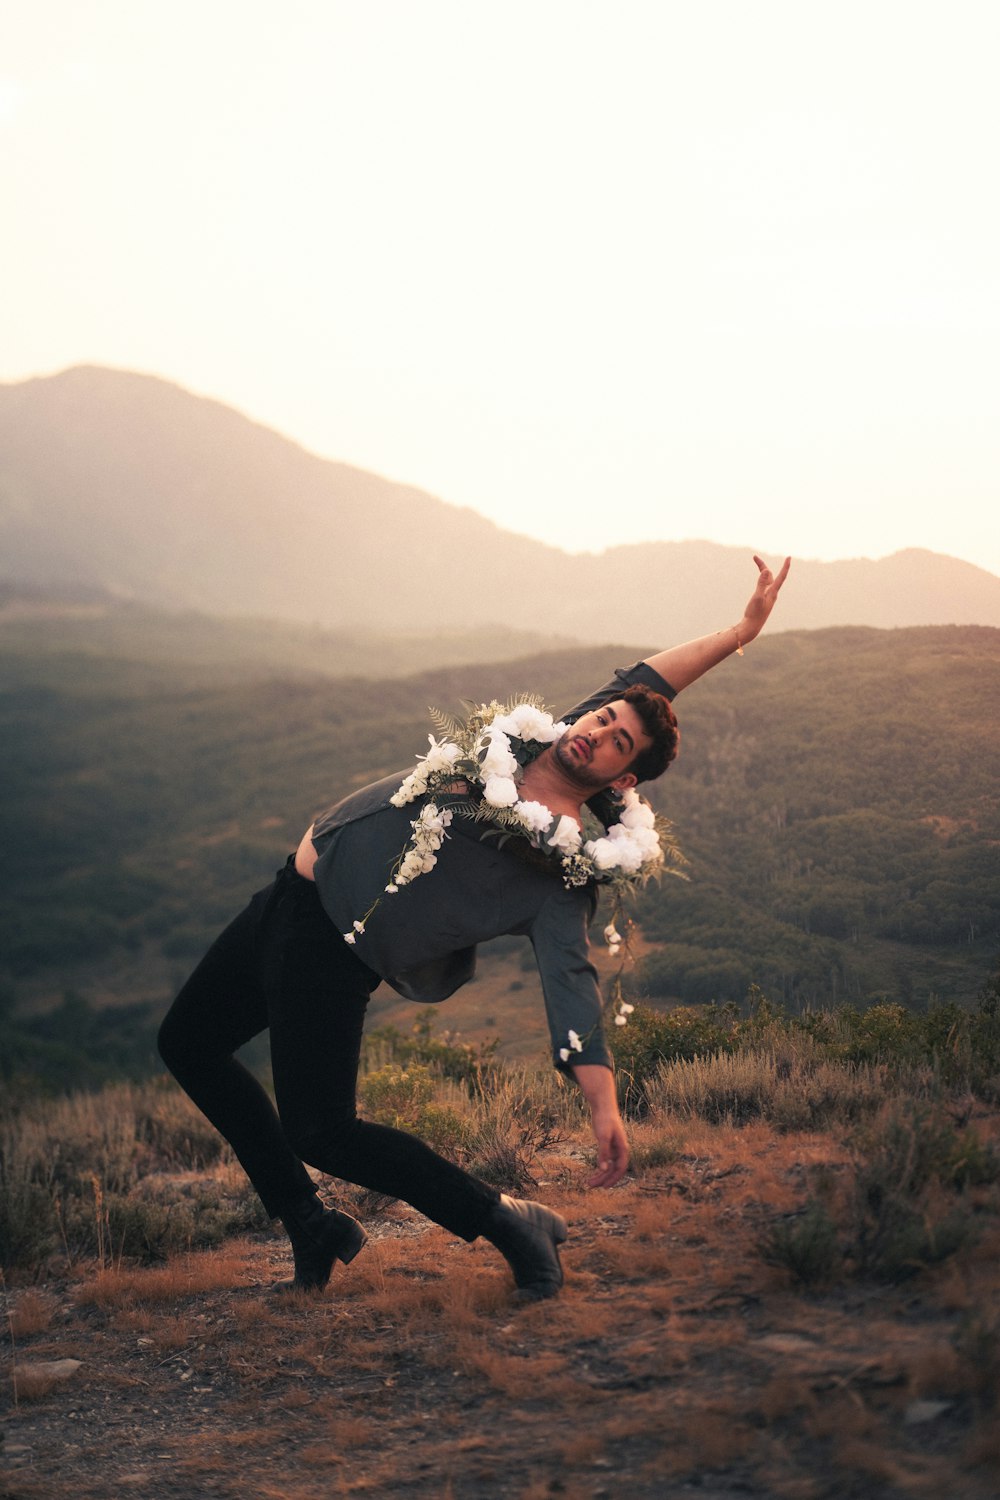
[422, 940]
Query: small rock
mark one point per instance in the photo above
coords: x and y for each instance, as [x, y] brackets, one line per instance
[787, 1343]
[925, 1411]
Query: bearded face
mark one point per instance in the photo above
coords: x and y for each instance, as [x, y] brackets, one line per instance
[598, 749]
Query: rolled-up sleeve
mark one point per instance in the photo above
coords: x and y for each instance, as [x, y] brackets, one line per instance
[569, 980]
[640, 674]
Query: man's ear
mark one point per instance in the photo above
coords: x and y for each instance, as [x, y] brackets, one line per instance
[626, 779]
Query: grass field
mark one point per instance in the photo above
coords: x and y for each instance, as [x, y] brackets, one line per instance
[758, 1309]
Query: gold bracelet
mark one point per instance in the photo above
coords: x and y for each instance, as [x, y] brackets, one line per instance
[739, 643]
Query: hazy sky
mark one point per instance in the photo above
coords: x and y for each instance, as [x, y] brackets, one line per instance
[604, 272]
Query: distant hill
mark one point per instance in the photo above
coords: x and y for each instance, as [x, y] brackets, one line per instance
[127, 483]
[47, 629]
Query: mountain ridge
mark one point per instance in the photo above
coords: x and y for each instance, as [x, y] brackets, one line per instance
[127, 482]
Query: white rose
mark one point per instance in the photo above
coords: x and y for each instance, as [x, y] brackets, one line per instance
[637, 814]
[629, 858]
[535, 814]
[531, 723]
[566, 836]
[634, 848]
[502, 724]
[603, 852]
[500, 791]
[498, 760]
[441, 756]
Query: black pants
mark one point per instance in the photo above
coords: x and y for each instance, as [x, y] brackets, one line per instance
[282, 964]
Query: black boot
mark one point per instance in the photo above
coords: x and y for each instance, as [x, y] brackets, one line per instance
[319, 1237]
[528, 1235]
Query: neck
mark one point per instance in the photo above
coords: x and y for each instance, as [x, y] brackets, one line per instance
[545, 781]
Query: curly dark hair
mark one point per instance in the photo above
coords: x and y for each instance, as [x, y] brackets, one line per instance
[660, 724]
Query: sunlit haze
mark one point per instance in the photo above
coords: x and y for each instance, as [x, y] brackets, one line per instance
[604, 273]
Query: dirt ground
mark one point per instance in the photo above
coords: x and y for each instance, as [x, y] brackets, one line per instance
[676, 1362]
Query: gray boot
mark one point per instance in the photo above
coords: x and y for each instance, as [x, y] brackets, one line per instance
[320, 1237]
[528, 1235]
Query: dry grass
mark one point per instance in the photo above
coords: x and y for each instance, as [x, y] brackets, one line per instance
[675, 1357]
[32, 1313]
[129, 1287]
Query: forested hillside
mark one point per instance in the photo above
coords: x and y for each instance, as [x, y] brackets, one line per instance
[835, 794]
[839, 804]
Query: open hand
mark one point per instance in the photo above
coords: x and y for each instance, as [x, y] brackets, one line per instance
[761, 601]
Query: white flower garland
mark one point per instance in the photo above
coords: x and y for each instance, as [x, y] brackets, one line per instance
[478, 752]
[630, 848]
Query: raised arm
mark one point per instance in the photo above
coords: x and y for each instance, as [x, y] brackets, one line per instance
[682, 665]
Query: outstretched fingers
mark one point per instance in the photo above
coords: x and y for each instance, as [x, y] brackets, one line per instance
[767, 579]
[766, 592]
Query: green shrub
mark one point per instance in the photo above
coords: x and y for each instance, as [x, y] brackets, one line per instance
[981, 1051]
[175, 1134]
[959, 1049]
[462, 1062]
[515, 1116]
[735, 1088]
[403, 1098]
[27, 1220]
[805, 1245]
[653, 1037]
[72, 1171]
[146, 1231]
[904, 1206]
[651, 1148]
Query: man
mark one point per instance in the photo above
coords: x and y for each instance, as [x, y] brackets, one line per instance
[285, 964]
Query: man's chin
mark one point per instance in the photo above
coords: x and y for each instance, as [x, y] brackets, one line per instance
[580, 774]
